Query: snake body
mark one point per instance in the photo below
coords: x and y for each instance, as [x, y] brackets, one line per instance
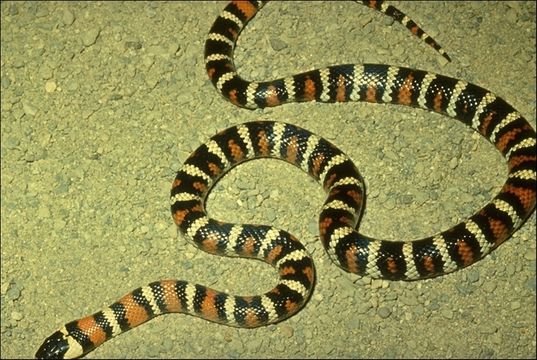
[455, 248]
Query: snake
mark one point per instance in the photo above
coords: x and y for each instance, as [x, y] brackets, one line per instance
[439, 254]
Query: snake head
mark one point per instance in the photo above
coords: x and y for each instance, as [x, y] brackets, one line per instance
[55, 346]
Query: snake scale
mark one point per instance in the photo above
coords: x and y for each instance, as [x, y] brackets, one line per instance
[455, 248]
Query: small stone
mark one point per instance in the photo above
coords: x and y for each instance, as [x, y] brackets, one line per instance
[172, 49]
[11, 143]
[488, 330]
[489, 287]
[156, 50]
[277, 44]
[409, 300]
[17, 316]
[384, 312]
[446, 313]
[90, 37]
[362, 307]
[473, 276]
[5, 81]
[376, 283]
[28, 108]
[46, 72]
[406, 199]
[68, 17]
[41, 12]
[50, 86]
[530, 255]
[135, 45]
[72, 85]
[287, 330]
[152, 81]
[35, 153]
[13, 293]
[43, 212]
[530, 284]
[18, 63]
[515, 305]
[59, 224]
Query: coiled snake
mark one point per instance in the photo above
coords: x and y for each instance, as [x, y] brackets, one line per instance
[455, 248]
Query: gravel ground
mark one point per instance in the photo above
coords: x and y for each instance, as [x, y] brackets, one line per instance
[102, 101]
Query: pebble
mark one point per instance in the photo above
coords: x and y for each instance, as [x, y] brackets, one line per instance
[377, 283]
[68, 17]
[447, 314]
[5, 82]
[50, 86]
[18, 63]
[277, 44]
[489, 286]
[46, 72]
[29, 108]
[391, 296]
[515, 305]
[286, 330]
[472, 275]
[11, 142]
[530, 284]
[17, 316]
[59, 224]
[464, 288]
[488, 330]
[135, 45]
[89, 37]
[35, 153]
[43, 213]
[362, 307]
[530, 255]
[72, 85]
[453, 163]
[14, 292]
[384, 312]
[41, 12]
[409, 299]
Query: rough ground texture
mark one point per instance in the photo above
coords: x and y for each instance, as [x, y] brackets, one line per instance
[103, 101]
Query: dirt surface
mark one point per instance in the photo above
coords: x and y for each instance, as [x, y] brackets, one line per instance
[103, 101]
